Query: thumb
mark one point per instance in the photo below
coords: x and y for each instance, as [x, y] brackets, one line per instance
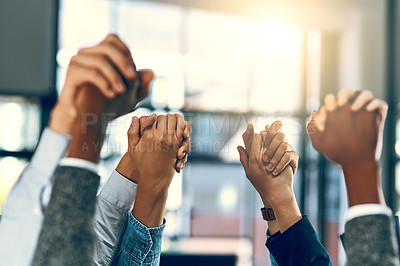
[244, 158]
[147, 76]
[133, 134]
[146, 121]
[313, 133]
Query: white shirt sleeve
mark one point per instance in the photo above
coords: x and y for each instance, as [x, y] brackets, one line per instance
[367, 209]
[114, 203]
[80, 163]
[22, 213]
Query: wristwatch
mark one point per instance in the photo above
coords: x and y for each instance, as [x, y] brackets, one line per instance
[268, 214]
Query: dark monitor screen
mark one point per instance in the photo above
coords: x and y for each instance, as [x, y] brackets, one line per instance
[28, 30]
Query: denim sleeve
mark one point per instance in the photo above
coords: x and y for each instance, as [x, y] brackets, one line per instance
[140, 245]
[114, 204]
[22, 213]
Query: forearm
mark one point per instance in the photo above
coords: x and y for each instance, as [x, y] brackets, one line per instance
[89, 129]
[287, 212]
[273, 226]
[150, 206]
[363, 183]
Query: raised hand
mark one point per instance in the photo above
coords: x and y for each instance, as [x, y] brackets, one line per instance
[276, 191]
[136, 130]
[153, 160]
[112, 88]
[348, 131]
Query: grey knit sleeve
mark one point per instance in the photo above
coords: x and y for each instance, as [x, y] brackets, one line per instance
[67, 233]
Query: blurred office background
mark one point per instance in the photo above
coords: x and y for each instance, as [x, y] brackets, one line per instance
[222, 64]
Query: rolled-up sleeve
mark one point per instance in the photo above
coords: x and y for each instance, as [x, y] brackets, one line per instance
[114, 204]
[140, 245]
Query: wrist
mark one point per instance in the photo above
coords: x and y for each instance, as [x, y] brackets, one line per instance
[87, 141]
[62, 119]
[287, 213]
[125, 168]
[363, 183]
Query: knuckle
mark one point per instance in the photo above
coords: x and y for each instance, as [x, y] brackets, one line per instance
[280, 136]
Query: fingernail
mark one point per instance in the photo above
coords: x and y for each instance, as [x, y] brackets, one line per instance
[182, 165]
[269, 166]
[266, 158]
[120, 88]
[275, 172]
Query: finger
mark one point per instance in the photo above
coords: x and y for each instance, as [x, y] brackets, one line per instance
[118, 58]
[344, 96]
[115, 40]
[184, 149]
[273, 147]
[248, 136]
[362, 99]
[289, 158]
[277, 156]
[313, 133]
[275, 128]
[321, 117]
[102, 65]
[180, 164]
[146, 122]
[83, 75]
[171, 125]
[377, 105]
[147, 76]
[244, 159]
[133, 133]
[263, 136]
[162, 124]
[330, 102]
[187, 131]
[180, 127]
[256, 146]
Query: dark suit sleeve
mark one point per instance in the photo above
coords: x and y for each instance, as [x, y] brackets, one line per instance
[298, 245]
[371, 240]
[67, 233]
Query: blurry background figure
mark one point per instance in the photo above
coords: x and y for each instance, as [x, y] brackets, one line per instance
[222, 64]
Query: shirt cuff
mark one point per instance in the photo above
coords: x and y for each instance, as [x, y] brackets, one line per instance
[51, 148]
[119, 191]
[80, 163]
[367, 209]
[142, 243]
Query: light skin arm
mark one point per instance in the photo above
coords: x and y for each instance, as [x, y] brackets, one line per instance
[348, 131]
[275, 191]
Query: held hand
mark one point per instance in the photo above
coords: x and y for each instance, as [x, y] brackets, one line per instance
[347, 137]
[111, 63]
[107, 68]
[154, 156]
[274, 189]
[154, 160]
[278, 153]
[183, 131]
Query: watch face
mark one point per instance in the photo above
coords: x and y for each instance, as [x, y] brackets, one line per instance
[268, 214]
